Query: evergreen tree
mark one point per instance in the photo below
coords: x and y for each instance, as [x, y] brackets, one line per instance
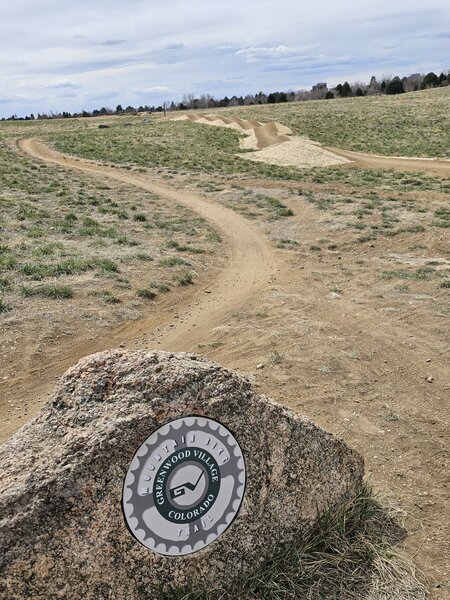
[395, 86]
[346, 90]
[429, 81]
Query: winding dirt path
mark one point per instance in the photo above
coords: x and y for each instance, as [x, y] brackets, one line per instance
[435, 166]
[251, 265]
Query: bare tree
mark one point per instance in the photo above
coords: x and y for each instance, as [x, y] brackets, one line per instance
[188, 100]
[413, 82]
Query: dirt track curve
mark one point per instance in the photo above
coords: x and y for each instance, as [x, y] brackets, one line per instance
[434, 166]
[250, 266]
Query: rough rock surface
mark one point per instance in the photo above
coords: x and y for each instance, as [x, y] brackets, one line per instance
[62, 532]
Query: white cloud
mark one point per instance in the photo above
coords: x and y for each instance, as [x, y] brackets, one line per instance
[254, 54]
[61, 55]
[150, 90]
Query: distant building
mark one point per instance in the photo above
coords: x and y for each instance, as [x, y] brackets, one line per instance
[319, 87]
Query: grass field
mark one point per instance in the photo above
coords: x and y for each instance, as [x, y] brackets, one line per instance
[415, 124]
[373, 124]
[65, 237]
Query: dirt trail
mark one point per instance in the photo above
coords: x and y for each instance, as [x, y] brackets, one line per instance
[435, 166]
[251, 264]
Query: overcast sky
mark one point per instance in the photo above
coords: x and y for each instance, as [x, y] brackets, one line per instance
[60, 55]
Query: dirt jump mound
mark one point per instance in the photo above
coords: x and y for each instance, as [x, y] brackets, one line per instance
[272, 143]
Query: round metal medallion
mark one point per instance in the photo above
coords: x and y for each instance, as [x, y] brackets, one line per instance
[184, 486]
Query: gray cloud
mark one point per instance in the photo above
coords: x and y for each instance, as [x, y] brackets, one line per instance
[64, 84]
[71, 56]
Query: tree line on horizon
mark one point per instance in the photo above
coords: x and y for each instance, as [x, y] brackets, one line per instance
[386, 85]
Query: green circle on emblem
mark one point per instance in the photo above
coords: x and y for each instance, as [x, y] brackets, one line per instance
[186, 485]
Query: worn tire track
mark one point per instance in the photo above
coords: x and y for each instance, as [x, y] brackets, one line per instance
[433, 166]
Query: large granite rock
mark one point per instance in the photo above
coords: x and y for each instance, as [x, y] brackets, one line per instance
[62, 532]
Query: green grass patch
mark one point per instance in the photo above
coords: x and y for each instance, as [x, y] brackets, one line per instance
[8, 261]
[4, 306]
[183, 248]
[422, 274]
[5, 284]
[107, 296]
[348, 555]
[185, 278]
[70, 266]
[173, 261]
[146, 294]
[442, 217]
[160, 286]
[55, 292]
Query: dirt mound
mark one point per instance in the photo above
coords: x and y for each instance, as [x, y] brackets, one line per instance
[263, 134]
[273, 142]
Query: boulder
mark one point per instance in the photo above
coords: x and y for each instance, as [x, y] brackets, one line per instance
[67, 532]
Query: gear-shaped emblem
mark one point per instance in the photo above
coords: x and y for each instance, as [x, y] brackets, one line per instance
[184, 486]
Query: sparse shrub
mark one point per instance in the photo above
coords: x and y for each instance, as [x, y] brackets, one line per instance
[161, 287]
[107, 297]
[424, 273]
[55, 292]
[186, 278]
[213, 236]
[5, 284]
[173, 261]
[442, 217]
[176, 246]
[146, 294]
[7, 261]
[107, 265]
[4, 307]
[275, 356]
[279, 208]
[144, 256]
[286, 243]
